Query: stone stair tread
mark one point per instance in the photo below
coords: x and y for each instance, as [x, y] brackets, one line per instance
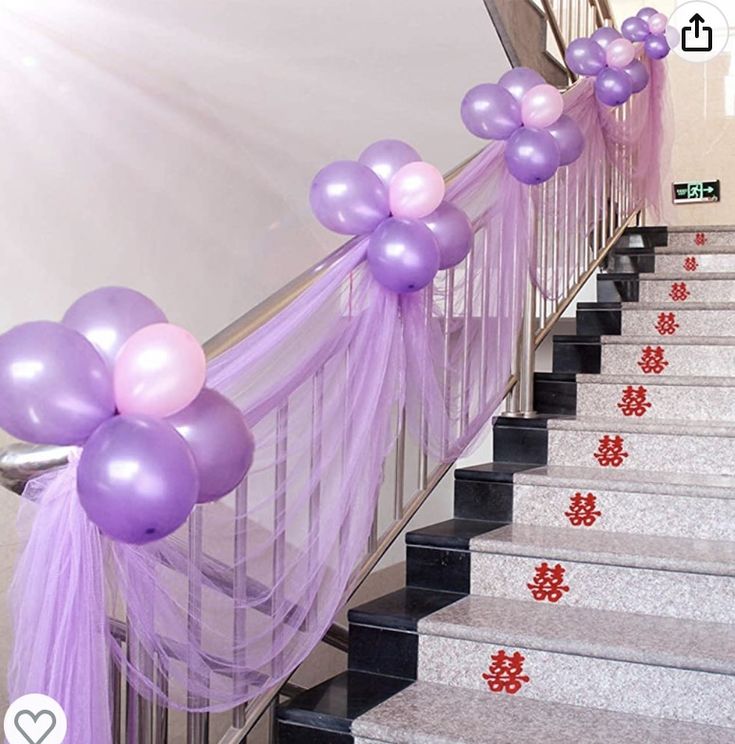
[637, 426]
[686, 276]
[668, 340]
[693, 250]
[430, 713]
[641, 379]
[603, 634]
[653, 552]
[630, 481]
[669, 306]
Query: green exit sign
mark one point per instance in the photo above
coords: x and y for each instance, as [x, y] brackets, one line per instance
[692, 192]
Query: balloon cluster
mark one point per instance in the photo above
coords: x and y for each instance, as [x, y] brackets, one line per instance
[390, 194]
[527, 112]
[650, 28]
[610, 59]
[115, 377]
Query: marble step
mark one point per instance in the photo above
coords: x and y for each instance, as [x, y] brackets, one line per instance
[663, 320]
[662, 446]
[431, 713]
[693, 262]
[661, 667]
[702, 238]
[622, 501]
[682, 287]
[651, 397]
[689, 356]
[644, 574]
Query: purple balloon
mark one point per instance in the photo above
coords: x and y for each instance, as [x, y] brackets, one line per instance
[137, 479]
[532, 155]
[635, 29]
[453, 232]
[520, 80]
[386, 157]
[603, 36]
[613, 87]
[220, 441]
[638, 74]
[349, 198]
[56, 388]
[585, 57]
[645, 13]
[490, 111]
[403, 255]
[656, 46]
[569, 137]
[109, 316]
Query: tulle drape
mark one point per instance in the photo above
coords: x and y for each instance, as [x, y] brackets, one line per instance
[229, 606]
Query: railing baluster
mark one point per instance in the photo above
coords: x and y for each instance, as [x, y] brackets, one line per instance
[115, 677]
[240, 600]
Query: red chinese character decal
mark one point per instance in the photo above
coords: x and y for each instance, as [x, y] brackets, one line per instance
[679, 292]
[582, 510]
[506, 672]
[652, 360]
[610, 452]
[700, 238]
[634, 401]
[690, 263]
[548, 583]
[667, 325]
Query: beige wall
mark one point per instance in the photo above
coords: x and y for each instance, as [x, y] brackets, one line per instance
[703, 97]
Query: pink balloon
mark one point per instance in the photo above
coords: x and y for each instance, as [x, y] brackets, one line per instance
[620, 53]
[159, 371]
[541, 107]
[416, 191]
[658, 23]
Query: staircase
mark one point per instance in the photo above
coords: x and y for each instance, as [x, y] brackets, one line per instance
[605, 612]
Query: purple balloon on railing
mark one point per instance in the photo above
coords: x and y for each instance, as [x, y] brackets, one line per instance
[56, 388]
[619, 53]
[541, 106]
[137, 479]
[656, 46]
[613, 87]
[520, 80]
[453, 232]
[585, 57]
[569, 137]
[646, 13]
[603, 36]
[109, 316]
[349, 198]
[386, 157]
[220, 441]
[490, 111]
[638, 74]
[403, 255]
[635, 29]
[532, 156]
[657, 23]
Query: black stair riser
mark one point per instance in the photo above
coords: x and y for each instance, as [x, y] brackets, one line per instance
[555, 394]
[385, 651]
[291, 733]
[520, 440]
[439, 569]
[599, 319]
[474, 499]
[578, 354]
[630, 261]
[617, 287]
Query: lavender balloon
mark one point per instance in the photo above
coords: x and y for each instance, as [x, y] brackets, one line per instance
[656, 46]
[453, 232]
[109, 316]
[635, 29]
[645, 13]
[137, 479]
[603, 36]
[638, 74]
[403, 255]
[520, 80]
[56, 388]
[490, 111]
[613, 87]
[532, 155]
[349, 198]
[386, 157]
[220, 441]
[569, 137]
[585, 57]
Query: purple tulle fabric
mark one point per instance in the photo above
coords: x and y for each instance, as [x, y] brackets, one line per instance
[228, 607]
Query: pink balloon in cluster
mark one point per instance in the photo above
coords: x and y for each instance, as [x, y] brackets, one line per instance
[541, 106]
[416, 191]
[657, 23]
[159, 371]
[619, 53]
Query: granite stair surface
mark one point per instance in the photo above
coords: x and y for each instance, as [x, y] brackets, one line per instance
[585, 590]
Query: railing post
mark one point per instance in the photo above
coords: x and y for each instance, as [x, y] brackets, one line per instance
[527, 354]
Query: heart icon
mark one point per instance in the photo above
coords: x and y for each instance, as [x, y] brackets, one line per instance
[35, 727]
